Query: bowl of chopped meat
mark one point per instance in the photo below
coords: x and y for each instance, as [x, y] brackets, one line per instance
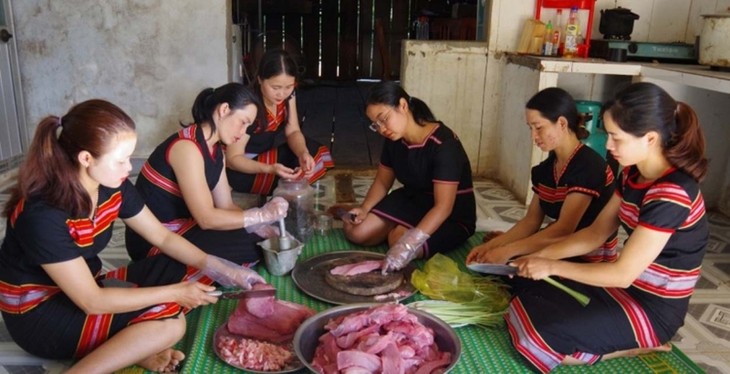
[372, 337]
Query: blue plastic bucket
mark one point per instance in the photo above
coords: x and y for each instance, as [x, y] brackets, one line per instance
[594, 124]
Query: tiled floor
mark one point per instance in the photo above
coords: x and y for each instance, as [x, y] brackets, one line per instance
[705, 337]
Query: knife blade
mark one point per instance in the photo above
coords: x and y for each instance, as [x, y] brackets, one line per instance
[238, 293]
[496, 269]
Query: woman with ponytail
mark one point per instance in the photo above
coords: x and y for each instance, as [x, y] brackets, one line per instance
[571, 185]
[185, 185]
[435, 209]
[637, 303]
[54, 298]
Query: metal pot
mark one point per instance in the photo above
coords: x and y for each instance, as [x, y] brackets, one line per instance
[617, 23]
[714, 41]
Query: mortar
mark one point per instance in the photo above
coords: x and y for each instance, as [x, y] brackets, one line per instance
[280, 262]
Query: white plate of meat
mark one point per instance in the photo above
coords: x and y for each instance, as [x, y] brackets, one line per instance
[348, 277]
[258, 335]
[256, 356]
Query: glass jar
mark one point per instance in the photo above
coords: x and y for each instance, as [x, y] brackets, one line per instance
[300, 216]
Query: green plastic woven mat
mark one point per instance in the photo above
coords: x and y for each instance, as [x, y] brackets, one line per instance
[484, 350]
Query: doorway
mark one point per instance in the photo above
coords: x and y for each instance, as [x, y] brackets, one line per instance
[13, 132]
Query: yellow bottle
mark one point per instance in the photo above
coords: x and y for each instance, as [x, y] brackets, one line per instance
[572, 30]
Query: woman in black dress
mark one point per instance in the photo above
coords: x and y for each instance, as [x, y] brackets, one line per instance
[571, 185]
[435, 210]
[54, 298]
[638, 302]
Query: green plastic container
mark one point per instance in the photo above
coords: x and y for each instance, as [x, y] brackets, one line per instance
[594, 124]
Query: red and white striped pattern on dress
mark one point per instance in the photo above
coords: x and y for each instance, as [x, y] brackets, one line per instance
[20, 299]
[668, 283]
[528, 341]
[643, 331]
[84, 230]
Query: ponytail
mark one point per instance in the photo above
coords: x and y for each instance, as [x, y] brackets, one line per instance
[421, 112]
[389, 93]
[685, 149]
[236, 95]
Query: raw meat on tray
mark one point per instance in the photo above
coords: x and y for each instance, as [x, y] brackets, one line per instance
[268, 319]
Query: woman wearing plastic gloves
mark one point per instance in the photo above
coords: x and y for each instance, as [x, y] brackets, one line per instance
[54, 299]
[435, 209]
[185, 185]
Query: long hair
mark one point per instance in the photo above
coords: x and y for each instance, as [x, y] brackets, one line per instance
[236, 95]
[554, 102]
[273, 63]
[50, 170]
[389, 93]
[643, 107]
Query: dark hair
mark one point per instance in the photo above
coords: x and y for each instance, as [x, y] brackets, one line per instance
[390, 93]
[643, 107]
[51, 168]
[236, 95]
[273, 63]
[554, 102]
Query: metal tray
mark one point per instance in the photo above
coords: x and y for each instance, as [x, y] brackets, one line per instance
[309, 277]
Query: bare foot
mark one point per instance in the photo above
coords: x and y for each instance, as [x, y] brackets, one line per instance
[639, 351]
[163, 362]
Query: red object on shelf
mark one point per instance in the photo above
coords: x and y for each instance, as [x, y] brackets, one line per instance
[588, 5]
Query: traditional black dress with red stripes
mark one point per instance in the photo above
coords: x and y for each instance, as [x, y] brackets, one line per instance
[269, 146]
[159, 188]
[586, 172]
[546, 324]
[39, 316]
[439, 159]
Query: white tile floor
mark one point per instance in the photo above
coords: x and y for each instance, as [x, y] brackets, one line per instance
[704, 337]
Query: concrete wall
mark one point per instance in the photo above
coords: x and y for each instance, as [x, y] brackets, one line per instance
[150, 57]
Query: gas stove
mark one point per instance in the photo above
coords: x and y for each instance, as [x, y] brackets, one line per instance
[643, 51]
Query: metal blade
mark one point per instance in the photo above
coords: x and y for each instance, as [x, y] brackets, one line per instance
[237, 293]
[496, 269]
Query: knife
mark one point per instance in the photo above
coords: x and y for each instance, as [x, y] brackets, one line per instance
[496, 269]
[238, 293]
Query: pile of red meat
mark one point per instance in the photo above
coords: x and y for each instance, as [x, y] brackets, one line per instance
[383, 339]
[264, 328]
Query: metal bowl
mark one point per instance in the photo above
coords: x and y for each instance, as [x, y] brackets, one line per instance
[306, 338]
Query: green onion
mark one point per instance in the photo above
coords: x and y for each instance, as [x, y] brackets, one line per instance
[581, 298]
[453, 313]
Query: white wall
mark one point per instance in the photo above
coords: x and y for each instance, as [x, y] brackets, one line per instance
[150, 57]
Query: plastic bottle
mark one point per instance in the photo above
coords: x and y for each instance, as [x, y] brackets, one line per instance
[423, 29]
[572, 28]
[547, 46]
[300, 216]
[557, 31]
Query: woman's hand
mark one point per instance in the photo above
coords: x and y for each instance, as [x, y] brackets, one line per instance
[193, 294]
[229, 274]
[306, 164]
[284, 172]
[358, 215]
[534, 267]
[488, 254]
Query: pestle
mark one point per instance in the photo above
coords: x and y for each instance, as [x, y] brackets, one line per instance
[284, 241]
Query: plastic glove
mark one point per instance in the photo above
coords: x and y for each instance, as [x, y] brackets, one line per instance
[228, 274]
[270, 212]
[408, 247]
[264, 230]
